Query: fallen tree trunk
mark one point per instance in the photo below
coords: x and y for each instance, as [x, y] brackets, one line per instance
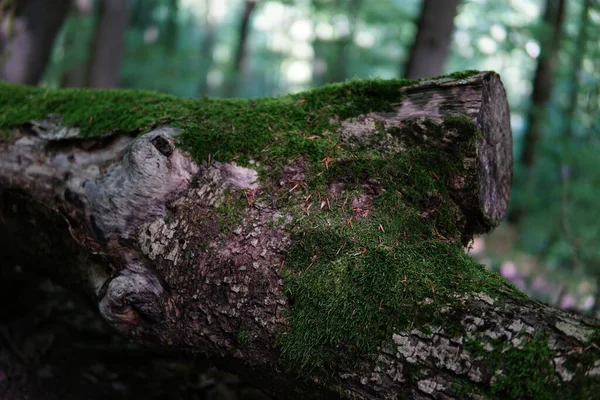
[312, 243]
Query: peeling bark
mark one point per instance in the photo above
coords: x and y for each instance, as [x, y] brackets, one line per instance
[172, 259]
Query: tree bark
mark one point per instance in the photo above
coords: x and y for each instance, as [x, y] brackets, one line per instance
[144, 231]
[432, 42]
[108, 49]
[26, 45]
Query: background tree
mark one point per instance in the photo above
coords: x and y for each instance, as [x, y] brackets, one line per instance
[576, 69]
[543, 80]
[432, 41]
[240, 62]
[28, 31]
[108, 45]
[207, 47]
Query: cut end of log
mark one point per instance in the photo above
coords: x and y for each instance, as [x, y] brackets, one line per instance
[480, 99]
[494, 149]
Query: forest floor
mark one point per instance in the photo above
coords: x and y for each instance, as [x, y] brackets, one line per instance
[54, 346]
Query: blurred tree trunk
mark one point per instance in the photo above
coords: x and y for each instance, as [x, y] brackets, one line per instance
[319, 63]
[592, 108]
[206, 50]
[342, 62]
[240, 67]
[142, 15]
[74, 74]
[432, 42]
[171, 29]
[542, 90]
[109, 44]
[26, 38]
[575, 76]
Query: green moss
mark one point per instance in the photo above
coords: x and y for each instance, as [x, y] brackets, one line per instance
[270, 130]
[528, 372]
[354, 282]
[458, 75]
[230, 209]
[244, 337]
[463, 74]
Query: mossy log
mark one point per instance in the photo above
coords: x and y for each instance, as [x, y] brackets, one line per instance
[312, 243]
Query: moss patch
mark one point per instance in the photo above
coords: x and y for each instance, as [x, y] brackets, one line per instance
[527, 372]
[271, 130]
[353, 282]
[244, 338]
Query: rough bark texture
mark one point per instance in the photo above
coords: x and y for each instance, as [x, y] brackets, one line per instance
[25, 46]
[174, 259]
[432, 42]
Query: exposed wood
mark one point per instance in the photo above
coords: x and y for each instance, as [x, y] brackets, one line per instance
[130, 222]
